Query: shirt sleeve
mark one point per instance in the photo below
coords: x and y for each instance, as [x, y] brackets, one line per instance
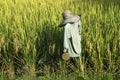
[66, 36]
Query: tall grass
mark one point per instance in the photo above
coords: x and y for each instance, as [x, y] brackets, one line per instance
[31, 41]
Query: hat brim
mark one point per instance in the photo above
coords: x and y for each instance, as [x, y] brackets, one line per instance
[70, 20]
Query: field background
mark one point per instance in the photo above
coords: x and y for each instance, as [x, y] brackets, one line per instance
[31, 41]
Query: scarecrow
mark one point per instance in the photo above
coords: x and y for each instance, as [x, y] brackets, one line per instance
[72, 35]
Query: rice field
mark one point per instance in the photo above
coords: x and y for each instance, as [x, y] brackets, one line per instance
[31, 41]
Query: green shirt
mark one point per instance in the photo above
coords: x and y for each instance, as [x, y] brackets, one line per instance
[72, 39]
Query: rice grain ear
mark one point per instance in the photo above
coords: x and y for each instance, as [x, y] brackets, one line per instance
[65, 56]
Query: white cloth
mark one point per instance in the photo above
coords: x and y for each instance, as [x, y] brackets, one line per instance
[72, 39]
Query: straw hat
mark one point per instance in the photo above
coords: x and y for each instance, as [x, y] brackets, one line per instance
[69, 17]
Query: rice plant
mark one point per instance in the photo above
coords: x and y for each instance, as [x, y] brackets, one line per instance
[31, 41]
